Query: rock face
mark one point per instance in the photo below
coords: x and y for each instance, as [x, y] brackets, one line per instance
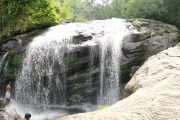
[146, 38]
[8, 112]
[153, 92]
[150, 38]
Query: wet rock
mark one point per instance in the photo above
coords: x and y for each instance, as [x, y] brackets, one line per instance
[81, 38]
[2, 104]
[13, 45]
[153, 92]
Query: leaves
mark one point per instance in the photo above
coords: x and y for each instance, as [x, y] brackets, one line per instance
[22, 15]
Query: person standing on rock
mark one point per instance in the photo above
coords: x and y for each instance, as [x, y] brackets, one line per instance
[8, 93]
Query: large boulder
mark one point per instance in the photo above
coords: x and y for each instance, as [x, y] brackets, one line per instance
[153, 92]
[149, 38]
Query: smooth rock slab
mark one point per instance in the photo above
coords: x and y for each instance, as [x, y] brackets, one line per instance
[154, 92]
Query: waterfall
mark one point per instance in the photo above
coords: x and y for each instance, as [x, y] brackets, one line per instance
[2, 61]
[3, 66]
[38, 82]
[43, 79]
[110, 51]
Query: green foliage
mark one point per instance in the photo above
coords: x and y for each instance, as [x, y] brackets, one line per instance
[43, 12]
[142, 8]
[152, 33]
[23, 15]
[15, 59]
[162, 10]
[136, 23]
[8, 74]
[80, 19]
[70, 59]
[162, 30]
[65, 10]
[83, 10]
[102, 107]
[13, 62]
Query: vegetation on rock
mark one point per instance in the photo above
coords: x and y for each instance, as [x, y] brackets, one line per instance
[70, 59]
[102, 107]
[12, 64]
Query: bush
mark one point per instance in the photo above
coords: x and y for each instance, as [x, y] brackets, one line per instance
[23, 15]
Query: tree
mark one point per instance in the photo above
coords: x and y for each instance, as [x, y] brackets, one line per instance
[163, 10]
[19, 16]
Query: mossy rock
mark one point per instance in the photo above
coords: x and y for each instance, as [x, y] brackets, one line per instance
[70, 59]
[15, 59]
[12, 64]
[102, 107]
[136, 23]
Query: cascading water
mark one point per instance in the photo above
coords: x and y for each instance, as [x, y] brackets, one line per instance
[110, 51]
[43, 79]
[3, 66]
[2, 61]
[38, 82]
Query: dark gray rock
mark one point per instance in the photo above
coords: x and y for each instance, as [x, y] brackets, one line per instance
[151, 38]
[80, 38]
[2, 104]
[13, 45]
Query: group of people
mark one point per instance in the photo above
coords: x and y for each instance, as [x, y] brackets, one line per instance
[7, 100]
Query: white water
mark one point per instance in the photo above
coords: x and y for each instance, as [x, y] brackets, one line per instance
[14, 109]
[37, 76]
[40, 85]
[111, 54]
[2, 60]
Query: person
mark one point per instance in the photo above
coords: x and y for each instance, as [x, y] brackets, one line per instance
[27, 116]
[8, 93]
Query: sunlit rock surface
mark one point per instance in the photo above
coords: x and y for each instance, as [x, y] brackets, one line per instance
[154, 92]
[7, 112]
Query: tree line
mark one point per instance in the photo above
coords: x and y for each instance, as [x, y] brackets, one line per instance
[163, 10]
[18, 16]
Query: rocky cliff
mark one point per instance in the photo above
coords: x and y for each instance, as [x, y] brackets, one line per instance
[146, 38]
[152, 93]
